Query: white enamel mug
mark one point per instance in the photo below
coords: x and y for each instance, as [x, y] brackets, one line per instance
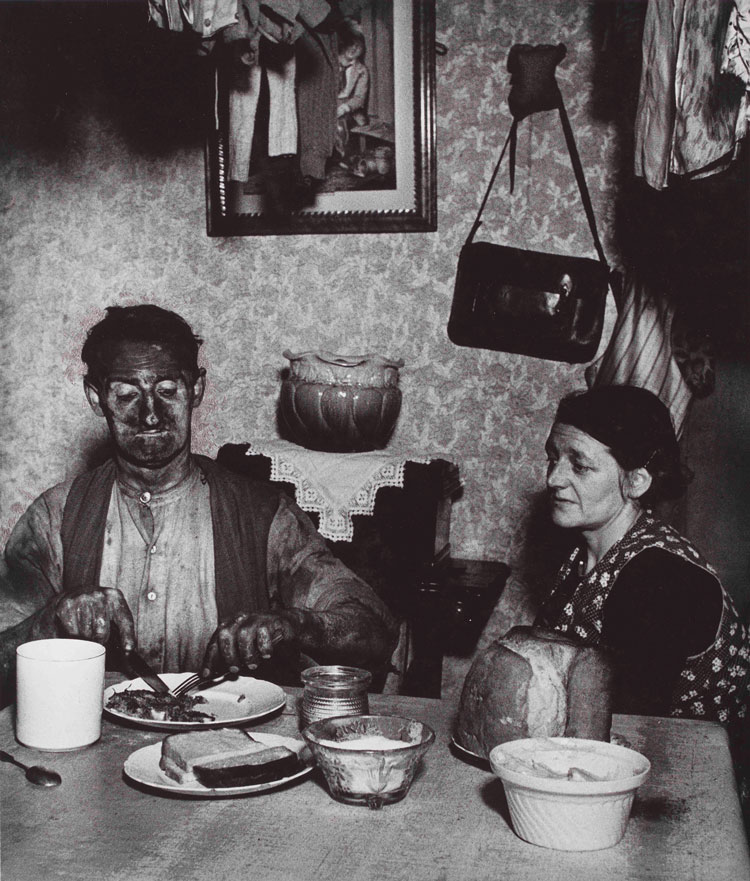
[59, 693]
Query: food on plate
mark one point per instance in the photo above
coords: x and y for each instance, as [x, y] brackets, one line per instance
[224, 757]
[145, 704]
[534, 683]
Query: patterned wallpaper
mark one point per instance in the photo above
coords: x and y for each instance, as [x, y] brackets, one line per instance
[112, 218]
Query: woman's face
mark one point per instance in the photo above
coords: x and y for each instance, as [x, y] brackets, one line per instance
[586, 485]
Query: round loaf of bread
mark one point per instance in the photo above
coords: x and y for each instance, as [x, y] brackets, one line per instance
[534, 683]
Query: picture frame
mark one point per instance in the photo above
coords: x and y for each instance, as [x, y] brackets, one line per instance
[377, 170]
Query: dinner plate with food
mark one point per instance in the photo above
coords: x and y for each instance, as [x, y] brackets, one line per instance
[229, 702]
[219, 763]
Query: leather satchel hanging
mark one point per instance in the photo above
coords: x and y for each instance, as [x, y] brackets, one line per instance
[530, 302]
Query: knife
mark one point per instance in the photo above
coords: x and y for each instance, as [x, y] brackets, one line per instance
[142, 668]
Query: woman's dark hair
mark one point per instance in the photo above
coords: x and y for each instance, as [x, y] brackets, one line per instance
[637, 428]
[146, 324]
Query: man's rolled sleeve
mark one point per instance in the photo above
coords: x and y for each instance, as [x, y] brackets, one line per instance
[304, 574]
[31, 570]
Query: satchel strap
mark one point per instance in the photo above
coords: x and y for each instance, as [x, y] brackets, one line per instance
[575, 160]
[511, 137]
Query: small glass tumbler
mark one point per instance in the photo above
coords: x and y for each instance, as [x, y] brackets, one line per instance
[334, 691]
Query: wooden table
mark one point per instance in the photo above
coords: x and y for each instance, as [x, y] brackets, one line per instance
[452, 825]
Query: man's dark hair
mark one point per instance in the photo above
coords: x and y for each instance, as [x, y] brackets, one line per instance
[142, 324]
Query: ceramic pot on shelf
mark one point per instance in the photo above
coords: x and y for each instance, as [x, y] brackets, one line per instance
[340, 403]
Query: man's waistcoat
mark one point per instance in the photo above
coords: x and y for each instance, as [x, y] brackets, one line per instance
[241, 513]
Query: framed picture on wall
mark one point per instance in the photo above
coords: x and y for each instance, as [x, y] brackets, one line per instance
[325, 124]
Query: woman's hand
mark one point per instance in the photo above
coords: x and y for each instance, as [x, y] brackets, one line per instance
[247, 638]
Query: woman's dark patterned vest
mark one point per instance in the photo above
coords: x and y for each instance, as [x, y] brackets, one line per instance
[714, 684]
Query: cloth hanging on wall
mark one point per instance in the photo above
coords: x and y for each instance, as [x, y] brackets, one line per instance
[338, 486]
[277, 20]
[690, 116]
[735, 59]
[205, 17]
[640, 350]
[242, 25]
[243, 104]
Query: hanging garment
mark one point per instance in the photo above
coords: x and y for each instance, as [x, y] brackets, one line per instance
[316, 102]
[205, 17]
[277, 20]
[640, 351]
[688, 112]
[735, 59]
[736, 56]
[243, 104]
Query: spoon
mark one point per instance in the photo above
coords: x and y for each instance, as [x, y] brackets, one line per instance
[34, 773]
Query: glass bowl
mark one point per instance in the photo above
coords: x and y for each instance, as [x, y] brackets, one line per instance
[368, 760]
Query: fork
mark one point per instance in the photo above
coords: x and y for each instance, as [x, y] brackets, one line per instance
[197, 681]
[185, 686]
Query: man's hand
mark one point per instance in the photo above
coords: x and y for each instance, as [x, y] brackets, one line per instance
[91, 615]
[248, 637]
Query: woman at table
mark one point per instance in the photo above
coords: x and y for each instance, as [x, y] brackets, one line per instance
[631, 582]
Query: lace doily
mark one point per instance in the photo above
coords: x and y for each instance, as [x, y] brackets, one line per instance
[337, 485]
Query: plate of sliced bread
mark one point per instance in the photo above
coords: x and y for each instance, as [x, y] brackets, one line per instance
[219, 763]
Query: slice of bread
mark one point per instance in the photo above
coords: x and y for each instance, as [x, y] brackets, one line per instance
[225, 756]
[267, 764]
